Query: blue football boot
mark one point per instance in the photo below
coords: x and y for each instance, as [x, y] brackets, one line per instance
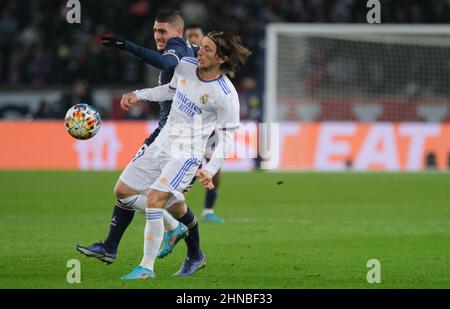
[212, 218]
[140, 273]
[98, 251]
[171, 238]
[190, 266]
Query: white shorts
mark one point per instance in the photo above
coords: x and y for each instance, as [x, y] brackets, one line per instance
[152, 168]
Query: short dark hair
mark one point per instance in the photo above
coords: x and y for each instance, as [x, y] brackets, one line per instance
[229, 48]
[193, 26]
[172, 17]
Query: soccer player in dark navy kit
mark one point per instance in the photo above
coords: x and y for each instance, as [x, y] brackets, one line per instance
[172, 47]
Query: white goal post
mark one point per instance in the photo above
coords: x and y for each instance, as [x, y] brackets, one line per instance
[357, 72]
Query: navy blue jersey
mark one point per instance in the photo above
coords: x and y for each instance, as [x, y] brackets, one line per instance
[176, 49]
[195, 48]
[166, 61]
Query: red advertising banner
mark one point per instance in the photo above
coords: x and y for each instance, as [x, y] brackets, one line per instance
[47, 145]
[334, 146]
[325, 146]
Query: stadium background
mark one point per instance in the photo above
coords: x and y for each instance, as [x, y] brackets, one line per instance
[321, 227]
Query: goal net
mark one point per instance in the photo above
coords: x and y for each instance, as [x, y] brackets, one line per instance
[357, 73]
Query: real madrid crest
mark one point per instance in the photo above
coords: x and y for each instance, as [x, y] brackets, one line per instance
[204, 98]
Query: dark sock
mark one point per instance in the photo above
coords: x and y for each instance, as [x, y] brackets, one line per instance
[120, 220]
[210, 198]
[193, 240]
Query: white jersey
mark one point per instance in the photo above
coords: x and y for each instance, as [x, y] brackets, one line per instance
[197, 107]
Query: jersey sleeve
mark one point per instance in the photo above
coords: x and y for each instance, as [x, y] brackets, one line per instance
[173, 53]
[228, 122]
[156, 94]
[169, 58]
[228, 112]
[173, 82]
[147, 55]
[220, 153]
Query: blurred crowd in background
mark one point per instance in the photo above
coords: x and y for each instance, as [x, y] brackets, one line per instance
[39, 49]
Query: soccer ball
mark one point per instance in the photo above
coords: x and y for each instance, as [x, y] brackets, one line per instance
[82, 121]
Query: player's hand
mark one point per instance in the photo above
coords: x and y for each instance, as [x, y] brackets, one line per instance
[205, 178]
[111, 41]
[127, 101]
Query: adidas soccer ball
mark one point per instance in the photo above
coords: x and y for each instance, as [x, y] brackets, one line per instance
[82, 121]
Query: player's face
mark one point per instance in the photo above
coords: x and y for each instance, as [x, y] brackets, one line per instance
[207, 54]
[163, 32]
[194, 35]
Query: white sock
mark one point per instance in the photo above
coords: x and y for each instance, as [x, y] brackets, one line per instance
[170, 223]
[153, 235]
[137, 202]
[207, 211]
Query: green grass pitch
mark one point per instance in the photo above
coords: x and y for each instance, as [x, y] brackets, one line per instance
[315, 230]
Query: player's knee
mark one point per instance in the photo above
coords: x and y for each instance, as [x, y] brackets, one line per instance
[178, 209]
[118, 192]
[157, 199]
[121, 191]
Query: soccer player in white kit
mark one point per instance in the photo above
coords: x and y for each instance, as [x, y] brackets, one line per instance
[194, 34]
[203, 98]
